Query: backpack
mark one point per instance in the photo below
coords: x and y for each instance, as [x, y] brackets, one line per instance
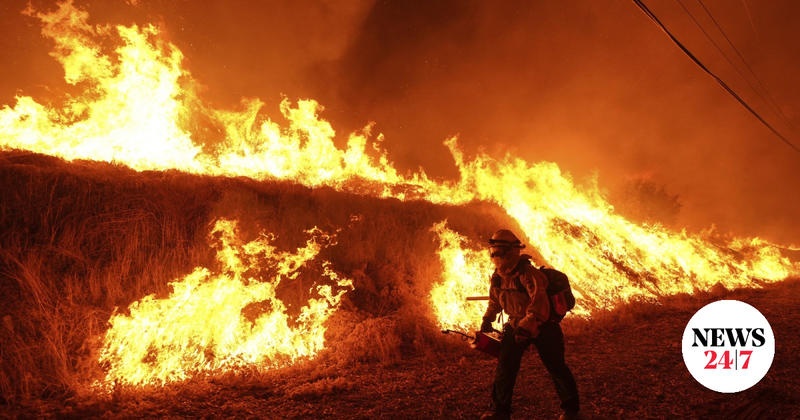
[559, 293]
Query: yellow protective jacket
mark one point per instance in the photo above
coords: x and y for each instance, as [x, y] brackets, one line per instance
[522, 294]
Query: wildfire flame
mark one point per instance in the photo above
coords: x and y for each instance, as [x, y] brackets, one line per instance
[203, 325]
[466, 273]
[130, 110]
[137, 109]
[672, 263]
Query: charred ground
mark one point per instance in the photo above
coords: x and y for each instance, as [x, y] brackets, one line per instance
[79, 240]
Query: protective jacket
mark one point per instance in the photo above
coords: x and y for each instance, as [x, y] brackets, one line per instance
[522, 294]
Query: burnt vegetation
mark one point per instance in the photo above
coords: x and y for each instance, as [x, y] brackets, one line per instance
[79, 241]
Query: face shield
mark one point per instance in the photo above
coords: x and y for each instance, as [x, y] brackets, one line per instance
[496, 251]
[504, 255]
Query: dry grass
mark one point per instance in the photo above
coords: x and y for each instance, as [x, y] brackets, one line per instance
[79, 240]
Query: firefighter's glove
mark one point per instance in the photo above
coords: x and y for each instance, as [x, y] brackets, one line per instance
[521, 335]
[486, 326]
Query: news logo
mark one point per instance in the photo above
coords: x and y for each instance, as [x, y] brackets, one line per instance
[728, 346]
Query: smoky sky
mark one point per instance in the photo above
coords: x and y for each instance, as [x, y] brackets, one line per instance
[592, 85]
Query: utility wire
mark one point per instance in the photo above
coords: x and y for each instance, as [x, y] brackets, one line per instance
[728, 59]
[724, 85]
[747, 65]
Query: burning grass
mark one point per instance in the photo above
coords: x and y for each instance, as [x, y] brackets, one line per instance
[80, 241]
[83, 241]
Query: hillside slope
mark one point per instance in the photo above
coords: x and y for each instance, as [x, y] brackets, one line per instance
[79, 240]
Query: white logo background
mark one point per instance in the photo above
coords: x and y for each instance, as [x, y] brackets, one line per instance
[728, 314]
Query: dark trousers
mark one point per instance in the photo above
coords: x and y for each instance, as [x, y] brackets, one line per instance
[550, 345]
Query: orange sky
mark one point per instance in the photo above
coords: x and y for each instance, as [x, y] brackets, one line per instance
[592, 85]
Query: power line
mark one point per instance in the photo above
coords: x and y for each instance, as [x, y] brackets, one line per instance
[724, 85]
[728, 59]
[747, 65]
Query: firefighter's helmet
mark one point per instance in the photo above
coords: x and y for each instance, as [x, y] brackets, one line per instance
[505, 238]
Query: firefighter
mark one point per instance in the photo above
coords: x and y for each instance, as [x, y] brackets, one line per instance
[519, 289]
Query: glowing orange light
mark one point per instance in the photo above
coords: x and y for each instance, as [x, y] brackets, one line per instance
[135, 111]
[202, 326]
